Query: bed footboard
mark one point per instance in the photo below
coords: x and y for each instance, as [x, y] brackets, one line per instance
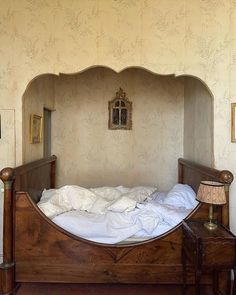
[32, 177]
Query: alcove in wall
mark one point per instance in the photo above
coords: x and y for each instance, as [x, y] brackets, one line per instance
[172, 117]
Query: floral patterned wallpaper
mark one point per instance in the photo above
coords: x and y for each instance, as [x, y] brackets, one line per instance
[192, 37]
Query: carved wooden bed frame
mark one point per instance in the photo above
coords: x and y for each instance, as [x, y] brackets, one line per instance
[37, 250]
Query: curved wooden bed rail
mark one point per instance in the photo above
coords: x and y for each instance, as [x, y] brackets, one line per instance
[68, 259]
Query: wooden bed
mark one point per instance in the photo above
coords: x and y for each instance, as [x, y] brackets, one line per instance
[37, 250]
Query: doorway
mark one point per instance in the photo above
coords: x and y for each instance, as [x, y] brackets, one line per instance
[46, 132]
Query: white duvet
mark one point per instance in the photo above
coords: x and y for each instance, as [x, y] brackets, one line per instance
[111, 215]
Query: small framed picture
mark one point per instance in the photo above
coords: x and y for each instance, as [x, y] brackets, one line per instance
[233, 122]
[35, 129]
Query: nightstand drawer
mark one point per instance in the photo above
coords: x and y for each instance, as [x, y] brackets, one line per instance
[218, 254]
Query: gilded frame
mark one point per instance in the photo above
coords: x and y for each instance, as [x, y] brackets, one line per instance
[127, 106]
[36, 126]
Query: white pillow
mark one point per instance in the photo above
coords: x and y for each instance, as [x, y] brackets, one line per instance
[181, 195]
[107, 192]
[123, 189]
[99, 206]
[144, 189]
[78, 197]
[47, 194]
[49, 209]
[124, 204]
[136, 196]
[140, 193]
[66, 198]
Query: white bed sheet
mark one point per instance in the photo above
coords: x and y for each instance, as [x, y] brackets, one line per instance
[142, 236]
[149, 219]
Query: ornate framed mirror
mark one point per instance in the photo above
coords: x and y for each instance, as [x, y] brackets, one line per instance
[120, 112]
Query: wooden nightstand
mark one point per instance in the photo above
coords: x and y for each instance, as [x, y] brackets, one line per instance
[207, 250]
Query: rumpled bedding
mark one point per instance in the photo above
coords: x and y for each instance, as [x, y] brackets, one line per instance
[141, 211]
[94, 200]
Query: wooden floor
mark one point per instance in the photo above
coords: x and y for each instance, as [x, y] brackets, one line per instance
[96, 289]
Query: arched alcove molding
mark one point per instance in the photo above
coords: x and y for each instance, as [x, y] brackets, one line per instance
[152, 71]
[192, 147]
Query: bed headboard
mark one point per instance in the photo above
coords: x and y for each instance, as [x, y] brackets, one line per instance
[33, 177]
[192, 174]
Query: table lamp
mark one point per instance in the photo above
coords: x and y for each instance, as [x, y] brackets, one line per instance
[213, 193]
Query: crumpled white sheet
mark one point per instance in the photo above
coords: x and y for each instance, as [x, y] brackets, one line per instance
[108, 228]
[149, 219]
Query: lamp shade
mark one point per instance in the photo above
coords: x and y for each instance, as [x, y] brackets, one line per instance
[211, 192]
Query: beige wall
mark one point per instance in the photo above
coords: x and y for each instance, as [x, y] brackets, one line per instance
[192, 37]
[90, 154]
[169, 115]
[198, 122]
[38, 95]
[7, 148]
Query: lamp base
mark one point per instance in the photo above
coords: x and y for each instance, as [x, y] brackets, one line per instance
[210, 225]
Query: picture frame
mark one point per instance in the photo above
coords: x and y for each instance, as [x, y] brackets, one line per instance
[120, 112]
[35, 129]
[233, 122]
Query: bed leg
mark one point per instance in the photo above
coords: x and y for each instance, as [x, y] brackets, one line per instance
[7, 279]
[7, 268]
